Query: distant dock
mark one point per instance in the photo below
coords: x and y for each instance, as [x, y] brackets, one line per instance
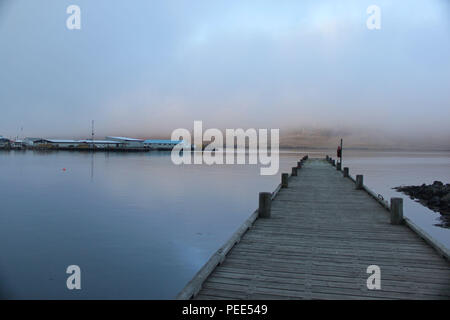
[315, 237]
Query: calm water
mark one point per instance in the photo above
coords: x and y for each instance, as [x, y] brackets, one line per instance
[140, 227]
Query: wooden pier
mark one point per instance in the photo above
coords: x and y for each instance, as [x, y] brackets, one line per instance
[315, 237]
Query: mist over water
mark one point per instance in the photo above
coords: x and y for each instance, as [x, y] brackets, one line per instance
[148, 68]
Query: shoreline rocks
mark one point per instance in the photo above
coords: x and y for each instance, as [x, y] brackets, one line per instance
[435, 196]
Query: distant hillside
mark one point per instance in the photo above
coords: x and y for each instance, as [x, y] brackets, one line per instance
[359, 139]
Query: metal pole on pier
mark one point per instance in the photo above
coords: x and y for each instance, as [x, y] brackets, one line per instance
[92, 136]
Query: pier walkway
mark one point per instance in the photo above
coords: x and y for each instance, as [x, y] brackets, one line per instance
[321, 237]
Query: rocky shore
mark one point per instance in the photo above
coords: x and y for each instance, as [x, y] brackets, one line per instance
[435, 196]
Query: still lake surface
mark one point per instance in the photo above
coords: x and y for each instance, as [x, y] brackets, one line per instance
[140, 227]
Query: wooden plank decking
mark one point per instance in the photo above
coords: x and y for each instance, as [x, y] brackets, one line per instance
[322, 236]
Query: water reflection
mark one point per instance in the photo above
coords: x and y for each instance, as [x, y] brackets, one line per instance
[138, 226]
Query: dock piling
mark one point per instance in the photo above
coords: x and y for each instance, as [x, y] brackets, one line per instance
[359, 181]
[284, 180]
[265, 203]
[396, 210]
[294, 171]
[345, 172]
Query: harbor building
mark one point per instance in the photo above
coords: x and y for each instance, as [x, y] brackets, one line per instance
[161, 144]
[101, 144]
[77, 144]
[128, 143]
[110, 143]
[56, 144]
[28, 142]
[17, 144]
[4, 143]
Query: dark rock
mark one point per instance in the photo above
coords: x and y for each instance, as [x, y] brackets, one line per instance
[446, 197]
[435, 196]
[426, 194]
[435, 201]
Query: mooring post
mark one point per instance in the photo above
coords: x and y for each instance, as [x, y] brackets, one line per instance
[284, 180]
[299, 164]
[265, 202]
[294, 171]
[334, 163]
[345, 172]
[359, 181]
[338, 166]
[326, 157]
[396, 210]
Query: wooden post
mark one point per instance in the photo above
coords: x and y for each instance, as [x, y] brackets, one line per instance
[359, 181]
[265, 202]
[334, 163]
[338, 166]
[396, 210]
[299, 164]
[345, 172]
[294, 171]
[284, 180]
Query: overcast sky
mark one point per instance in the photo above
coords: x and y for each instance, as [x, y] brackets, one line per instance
[145, 68]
